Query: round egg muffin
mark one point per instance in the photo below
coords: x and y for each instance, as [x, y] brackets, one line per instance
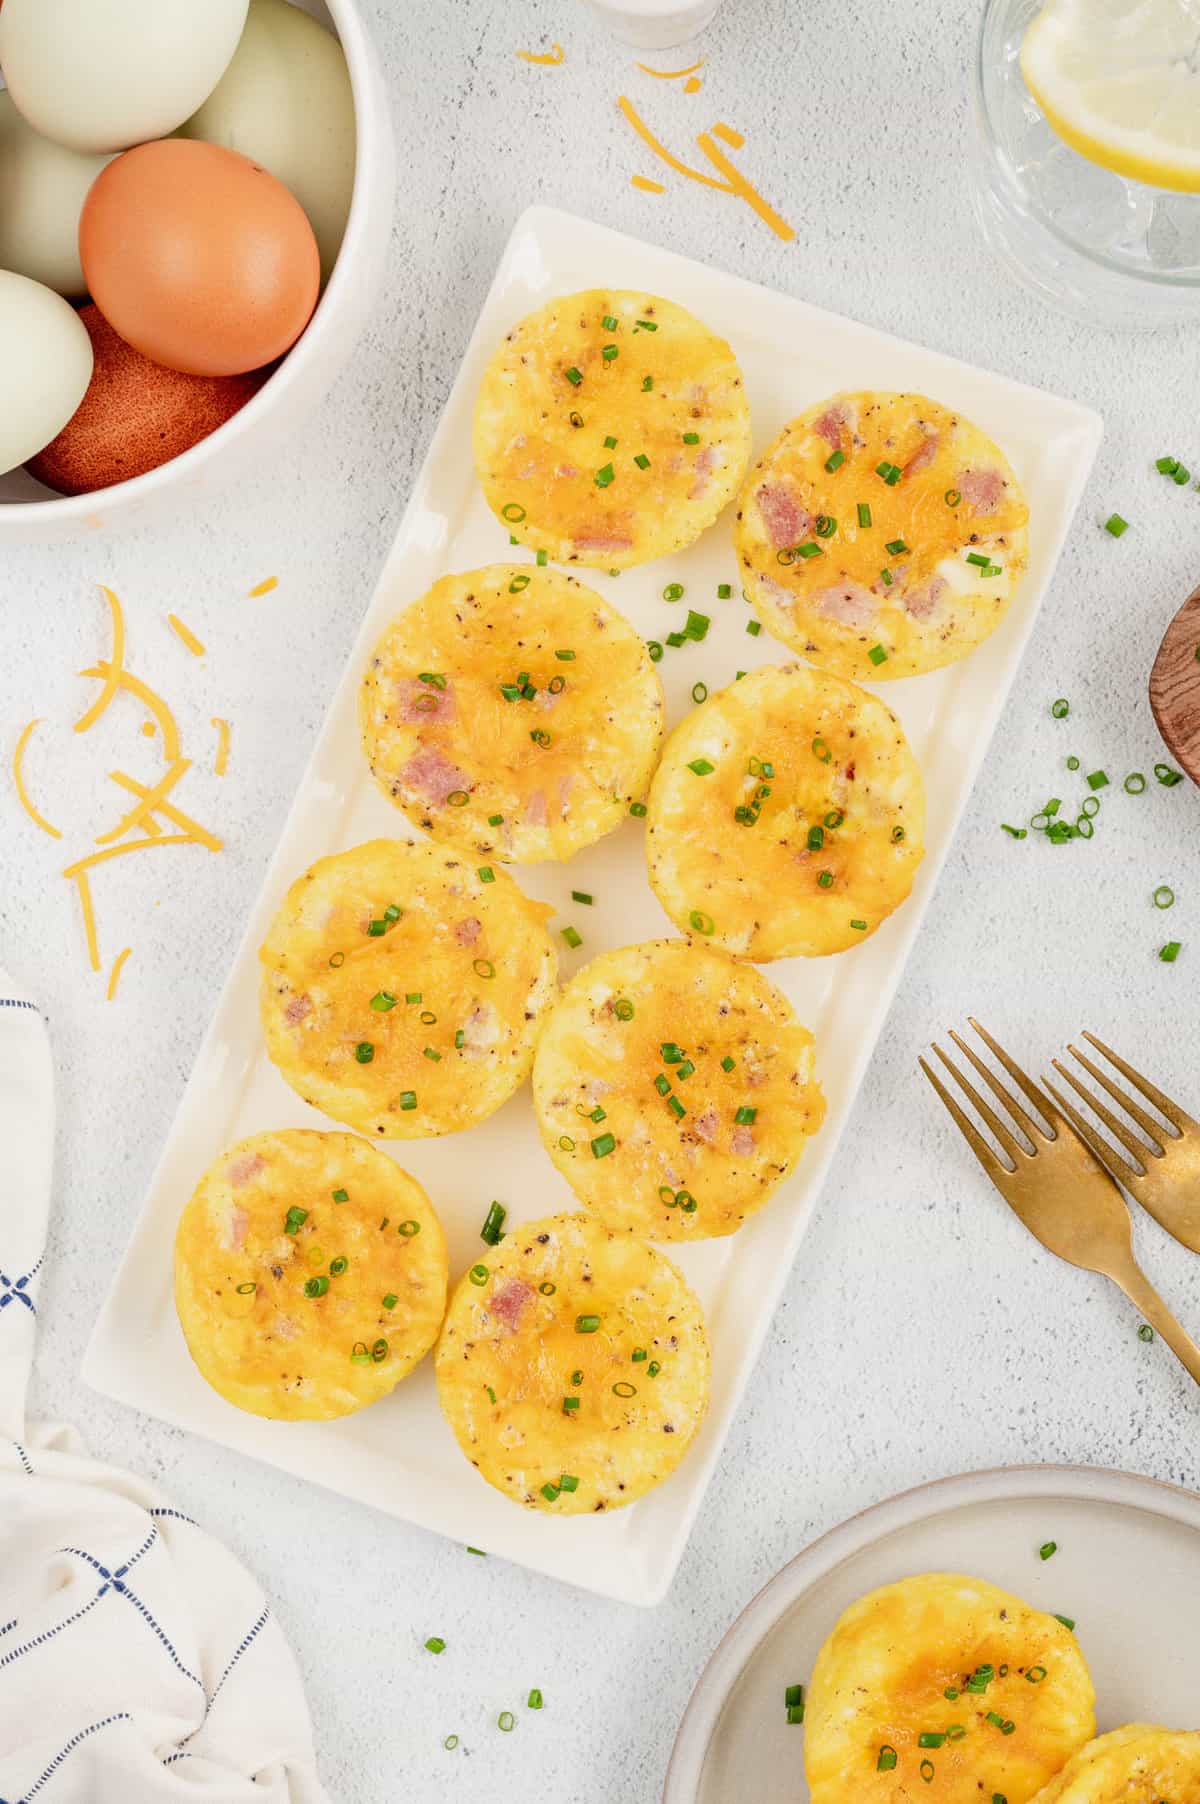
[882, 535]
[512, 710]
[573, 1366]
[946, 1688]
[674, 1089]
[310, 1275]
[787, 816]
[611, 428]
[403, 987]
[1137, 1764]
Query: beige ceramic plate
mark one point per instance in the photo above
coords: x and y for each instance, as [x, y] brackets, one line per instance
[1126, 1569]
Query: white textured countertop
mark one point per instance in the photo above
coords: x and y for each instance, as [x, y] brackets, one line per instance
[923, 1332]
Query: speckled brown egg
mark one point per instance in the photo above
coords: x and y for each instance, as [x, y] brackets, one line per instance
[135, 415]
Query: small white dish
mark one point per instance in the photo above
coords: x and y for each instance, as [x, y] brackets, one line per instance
[33, 514]
[400, 1455]
[655, 24]
[1126, 1570]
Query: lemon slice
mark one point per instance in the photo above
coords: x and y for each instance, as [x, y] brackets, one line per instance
[1119, 80]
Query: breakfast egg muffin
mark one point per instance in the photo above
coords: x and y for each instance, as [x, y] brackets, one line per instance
[611, 428]
[946, 1688]
[674, 1089]
[882, 535]
[787, 816]
[310, 1275]
[513, 711]
[573, 1366]
[1137, 1764]
[403, 987]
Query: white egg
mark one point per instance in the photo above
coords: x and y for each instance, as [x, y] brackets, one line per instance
[285, 101]
[105, 74]
[45, 366]
[42, 187]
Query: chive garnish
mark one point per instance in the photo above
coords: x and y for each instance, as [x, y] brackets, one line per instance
[602, 1145]
[436, 1645]
[294, 1220]
[586, 1324]
[492, 1230]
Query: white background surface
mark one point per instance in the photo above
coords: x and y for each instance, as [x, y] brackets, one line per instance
[922, 1332]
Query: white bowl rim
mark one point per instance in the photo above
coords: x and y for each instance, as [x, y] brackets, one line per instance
[725, 1663]
[60, 510]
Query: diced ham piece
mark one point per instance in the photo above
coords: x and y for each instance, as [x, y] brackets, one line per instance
[468, 931]
[832, 423]
[704, 466]
[982, 490]
[432, 777]
[742, 1143]
[924, 454]
[535, 809]
[509, 1301]
[922, 603]
[419, 702]
[296, 1009]
[603, 541]
[234, 1237]
[706, 1126]
[784, 518]
[481, 1030]
[242, 1169]
[847, 603]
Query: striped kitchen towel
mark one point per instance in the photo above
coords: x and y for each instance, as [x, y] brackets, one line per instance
[138, 1659]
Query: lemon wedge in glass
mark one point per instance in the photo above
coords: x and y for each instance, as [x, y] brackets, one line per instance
[1119, 80]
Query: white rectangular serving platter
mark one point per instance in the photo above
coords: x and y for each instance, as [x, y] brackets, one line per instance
[400, 1455]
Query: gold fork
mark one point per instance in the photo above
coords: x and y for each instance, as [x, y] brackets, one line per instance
[1055, 1186]
[1164, 1177]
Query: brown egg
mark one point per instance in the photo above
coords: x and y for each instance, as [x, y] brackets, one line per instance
[135, 415]
[198, 257]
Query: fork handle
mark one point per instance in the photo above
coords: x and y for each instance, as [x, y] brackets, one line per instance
[1142, 1294]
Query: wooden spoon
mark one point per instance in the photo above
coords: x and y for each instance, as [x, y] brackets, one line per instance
[1175, 686]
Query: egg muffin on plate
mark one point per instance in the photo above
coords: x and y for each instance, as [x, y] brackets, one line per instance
[573, 1366]
[611, 428]
[310, 1275]
[403, 986]
[674, 1089]
[1137, 1764]
[947, 1688]
[514, 711]
[787, 816]
[882, 535]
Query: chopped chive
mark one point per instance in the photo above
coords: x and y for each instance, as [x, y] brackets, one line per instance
[436, 1645]
[479, 1275]
[451, 1741]
[623, 1009]
[608, 352]
[570, 1405]
[408, 1099]
[654, 648]
[877, 655]
[586, 1324]
[492, 1230]
[887, 578]
[1060, 708]
[642, 461]
[1116, 525]
[859, 926]
[610, 444]
[745, 1117]
[887, 1759]
[1047, 1550]
[676, 639]
[609, 323]
[895, 546]
[383, 1001]
[725, 590]
[891, 473]
[816, 838]
[701, 922]
[581, 895]
[602, 1145]
[696, 625]
[543, 559]
[248, 1289]
[486, 874]
[691, 438]
[564, 657]
[604, 476]
[1097, 779]
[1166, 776]
[927, 1770]
[340, 1196]
[835, 461]
[825, 526]
[676, 1107]
[512, 511]
[754, 628]
[518, 583]
[727, 1063]
[1014, 832]
[574, 376]
[795, 1713]
[864, 514]
[534, 1700]
[638, 809]
[647, 325]
[825, 879]
[685, 1069]
[294, 1220]
[979, 559]
[316, 1287]
[662, 1084]
[931, 1738]
[1163, 896]
[1170, 952]
[572, 937]
[702, 767]
[390, 1301]
[338, 1266]
[430, 1053]
[1135, 782]
[653, 1369]
[647, 384]
[506, 1721]
[670, 1053]
[809, 549]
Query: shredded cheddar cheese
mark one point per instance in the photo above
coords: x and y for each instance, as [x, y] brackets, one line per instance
[89, 915]
[263, 588]
[135, 845]
[149, 800]
[546, 59]
[115, 973]
[39, 820]
[194, 645]
[222, 763]
[729, 180]
[115, 667]
[671, 74]
[646, 185]
[152, 700]
[153, 802]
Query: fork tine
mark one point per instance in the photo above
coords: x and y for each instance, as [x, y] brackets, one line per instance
[995, 1168]
[1033, 1132]
[1001, 1129]
[1106, 1155]
[1153, 1129]
[1174, 1114]
[1139, 1154]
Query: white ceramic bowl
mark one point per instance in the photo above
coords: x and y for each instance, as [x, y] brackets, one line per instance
[30, 513]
